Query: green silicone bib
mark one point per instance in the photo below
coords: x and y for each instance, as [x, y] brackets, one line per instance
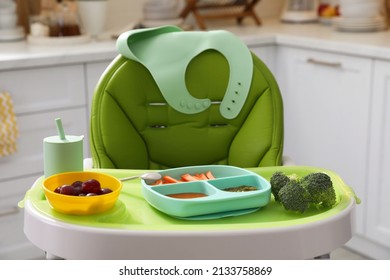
[166, 52]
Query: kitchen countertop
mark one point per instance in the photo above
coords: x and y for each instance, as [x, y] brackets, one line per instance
[14, 55]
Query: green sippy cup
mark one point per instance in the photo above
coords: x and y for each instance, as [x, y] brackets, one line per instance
[62, 153]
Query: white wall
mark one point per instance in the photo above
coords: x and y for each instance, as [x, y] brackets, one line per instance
[124, 12]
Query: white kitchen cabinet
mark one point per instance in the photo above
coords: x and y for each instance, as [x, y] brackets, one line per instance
[327, 115]
[267, 54]
[378, 183]
[13, 242]
[44, 88]
[19, 171]
[40, 95]
[33, 128]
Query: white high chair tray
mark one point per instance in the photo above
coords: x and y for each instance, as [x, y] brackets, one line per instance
[135, 230]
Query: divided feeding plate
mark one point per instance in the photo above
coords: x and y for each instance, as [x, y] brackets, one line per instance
[217, 202]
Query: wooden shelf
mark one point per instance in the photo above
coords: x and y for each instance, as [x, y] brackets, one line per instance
[215, 9]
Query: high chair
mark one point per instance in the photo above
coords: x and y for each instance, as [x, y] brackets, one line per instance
[129, 111]
[174, 99]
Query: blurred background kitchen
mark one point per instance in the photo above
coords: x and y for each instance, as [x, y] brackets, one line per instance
[52, 54]
[123, 13]
[40, 18]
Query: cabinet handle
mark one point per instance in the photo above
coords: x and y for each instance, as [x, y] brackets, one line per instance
[12, 211]
[324, 63]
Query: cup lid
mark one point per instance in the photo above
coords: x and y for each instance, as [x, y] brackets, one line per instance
[68, 139]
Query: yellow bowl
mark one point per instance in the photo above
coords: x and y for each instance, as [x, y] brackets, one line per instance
[81, 205]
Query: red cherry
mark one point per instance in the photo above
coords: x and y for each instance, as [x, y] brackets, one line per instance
[105, 191]
[91, 186]
[91, 194]
[67, 190]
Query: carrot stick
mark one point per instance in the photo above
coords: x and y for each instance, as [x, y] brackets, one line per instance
[201, 176]
[169, 180]
[209, 175]
[188, 178]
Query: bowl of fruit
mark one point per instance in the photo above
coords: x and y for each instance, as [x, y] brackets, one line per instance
[81, 193]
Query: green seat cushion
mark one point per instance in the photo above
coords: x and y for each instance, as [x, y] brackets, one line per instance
[132, 127]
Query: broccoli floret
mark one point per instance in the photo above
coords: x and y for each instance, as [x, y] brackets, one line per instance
[278, 181]
[320, 187]
[297, 194]
[294, 197]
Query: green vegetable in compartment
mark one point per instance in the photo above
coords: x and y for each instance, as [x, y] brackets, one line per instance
[241, 189]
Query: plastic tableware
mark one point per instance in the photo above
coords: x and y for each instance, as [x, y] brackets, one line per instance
[149, 177]
[93, 15]
[216, 199]
[81, 205]
[361, 10]
[145, 46]
[62, 153]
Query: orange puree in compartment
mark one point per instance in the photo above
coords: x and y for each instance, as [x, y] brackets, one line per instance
[186, 195]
